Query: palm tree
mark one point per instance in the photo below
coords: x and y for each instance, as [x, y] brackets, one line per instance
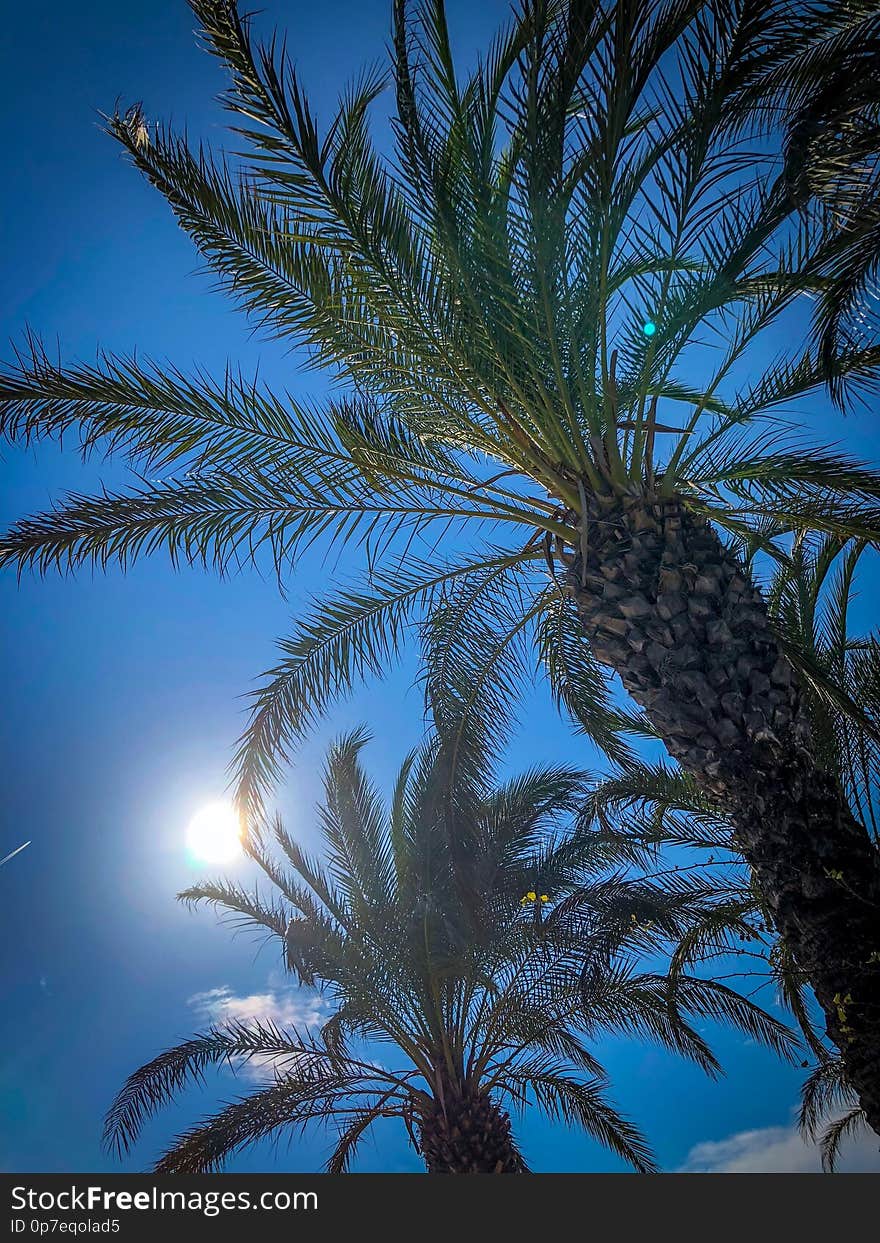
[541, 307]
[469, 931]
[662, 813]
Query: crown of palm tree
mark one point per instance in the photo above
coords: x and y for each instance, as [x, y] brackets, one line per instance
[467, 927]
[515, 300]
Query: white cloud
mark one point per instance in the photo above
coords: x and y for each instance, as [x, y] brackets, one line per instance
[292, 1007]
[301, 1008]
[778, 1150]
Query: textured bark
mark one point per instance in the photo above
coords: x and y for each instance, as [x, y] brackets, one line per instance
[467, 1133]
[665, 605]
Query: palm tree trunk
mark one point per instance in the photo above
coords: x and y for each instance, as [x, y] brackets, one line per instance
[467, 1133]
[674, 614]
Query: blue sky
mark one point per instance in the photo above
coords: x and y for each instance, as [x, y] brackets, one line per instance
[122, 695]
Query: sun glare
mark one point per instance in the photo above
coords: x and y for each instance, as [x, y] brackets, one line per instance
[214, 834]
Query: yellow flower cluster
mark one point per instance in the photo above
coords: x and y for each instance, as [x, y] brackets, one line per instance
[841, 1003]
[531, 896]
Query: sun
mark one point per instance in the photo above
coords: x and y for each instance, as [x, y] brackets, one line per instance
[214, 834]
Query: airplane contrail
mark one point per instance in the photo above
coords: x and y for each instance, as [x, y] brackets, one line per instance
[13, 853]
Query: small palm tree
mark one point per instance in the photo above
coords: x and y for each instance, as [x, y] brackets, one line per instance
[542, 306]
[657, 810]
[466, 930]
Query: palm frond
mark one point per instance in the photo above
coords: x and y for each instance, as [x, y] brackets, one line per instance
[357, 634]
[581, 1104]
[837, 1132]
[155, 1084]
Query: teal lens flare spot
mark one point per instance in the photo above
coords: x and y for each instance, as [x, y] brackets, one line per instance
[649, 328]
